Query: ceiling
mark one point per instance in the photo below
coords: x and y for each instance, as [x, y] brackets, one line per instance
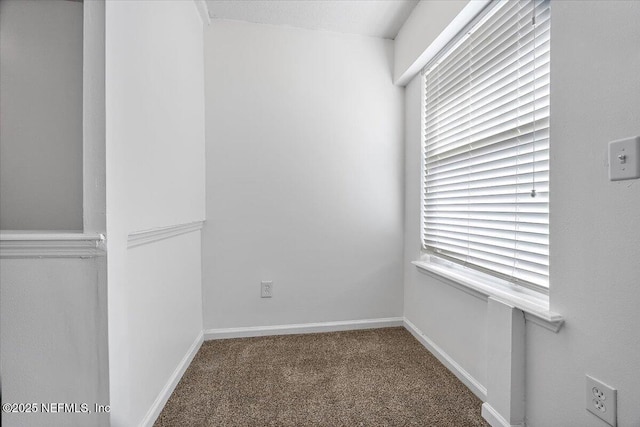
[375, 18]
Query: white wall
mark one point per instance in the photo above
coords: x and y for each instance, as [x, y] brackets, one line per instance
[423, 27]
[165, 314]
[155, 178]
[595, 229]
[155, 86]
[595, 223]
[304, 177]
[54, 338]
[41, 108]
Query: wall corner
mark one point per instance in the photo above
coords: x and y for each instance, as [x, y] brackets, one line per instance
[203, 10]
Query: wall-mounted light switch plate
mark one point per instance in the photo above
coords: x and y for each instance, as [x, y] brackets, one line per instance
[624, 159]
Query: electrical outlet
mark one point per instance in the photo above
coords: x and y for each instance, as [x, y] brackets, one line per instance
[266, 289]
[601, 400]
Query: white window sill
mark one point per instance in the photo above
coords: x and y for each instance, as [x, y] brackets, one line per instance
[535, 305]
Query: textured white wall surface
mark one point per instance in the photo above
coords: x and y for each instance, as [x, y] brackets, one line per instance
[155, 178]
[595, 229]
[54, 338]
[41, 109]
[304, 177]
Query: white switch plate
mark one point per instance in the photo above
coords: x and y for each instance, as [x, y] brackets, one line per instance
[601, 400]
[624, 159]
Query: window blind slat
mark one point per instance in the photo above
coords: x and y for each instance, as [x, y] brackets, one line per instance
[503, 141]
[475, 179]
[513, 125]
[453, 55]
[516, 55]
[524, 188]
[486, 253]
[509, 272]
[518, 138]
[497, 119]
[529, 237]
[491, 99]
[533, 218]
[499, 28]
[504, 150]
[498, 54]
[529, 261]
[486, 146]
[513, 67]
[493, 226]
[472, 105]
[470, 169]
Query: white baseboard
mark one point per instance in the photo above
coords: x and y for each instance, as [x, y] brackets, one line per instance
[466, 378]
[171, 384]
[301, 328]
[495, 419]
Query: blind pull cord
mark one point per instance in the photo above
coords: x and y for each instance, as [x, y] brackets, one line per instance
[533, 165]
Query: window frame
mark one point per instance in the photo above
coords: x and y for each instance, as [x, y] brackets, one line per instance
[471, 277]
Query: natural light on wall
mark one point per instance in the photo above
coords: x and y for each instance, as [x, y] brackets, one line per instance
[486, 145]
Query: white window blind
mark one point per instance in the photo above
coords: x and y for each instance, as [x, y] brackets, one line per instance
[486, 145]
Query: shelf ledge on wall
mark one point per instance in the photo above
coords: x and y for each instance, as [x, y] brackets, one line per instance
[534, 305]
[54, 244]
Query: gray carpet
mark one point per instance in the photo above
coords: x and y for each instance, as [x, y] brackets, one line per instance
[379, 377]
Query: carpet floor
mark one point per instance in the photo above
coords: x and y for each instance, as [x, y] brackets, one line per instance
[378, 377]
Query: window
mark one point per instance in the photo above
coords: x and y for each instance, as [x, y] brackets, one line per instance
[486, 145]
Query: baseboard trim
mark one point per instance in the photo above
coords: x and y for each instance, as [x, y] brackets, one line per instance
[171, 384]
[495, 419]
[466, 378]
[301, 328]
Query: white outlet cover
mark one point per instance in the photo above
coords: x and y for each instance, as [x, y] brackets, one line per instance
[601, 400]
[624, 159]
[266, 289]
